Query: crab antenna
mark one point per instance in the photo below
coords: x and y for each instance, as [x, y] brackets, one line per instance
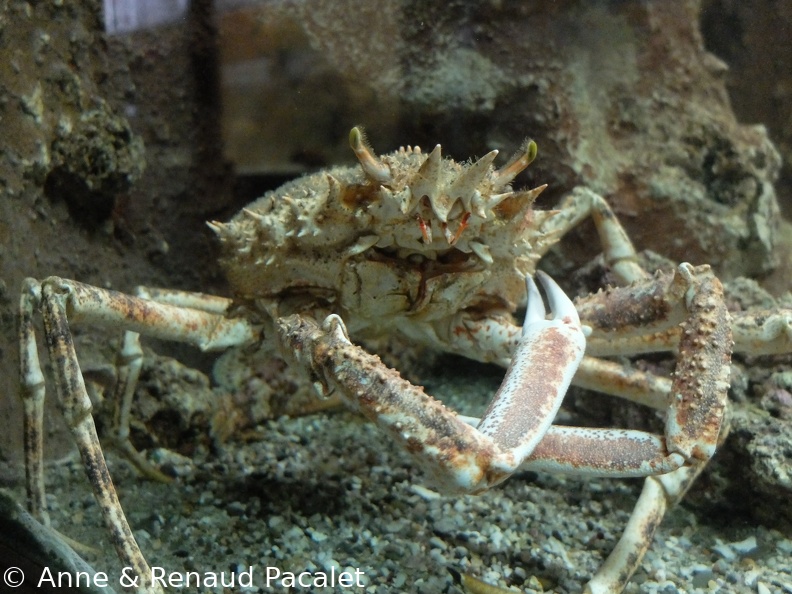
[373, 167]
[518, 162]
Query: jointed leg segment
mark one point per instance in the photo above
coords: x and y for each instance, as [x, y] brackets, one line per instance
[76, 407]
[55, 298]
[130, 362]
[459, 457]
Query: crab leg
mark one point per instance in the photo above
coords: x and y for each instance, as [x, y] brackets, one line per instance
[473, 460]
[690, 303]
[617, 248]
[76, 411]
[130, 363]
[623, 381]
[763, 332]
[54, 297]
[696, 407]
[459, 457]
[659, 494]
[32, 392]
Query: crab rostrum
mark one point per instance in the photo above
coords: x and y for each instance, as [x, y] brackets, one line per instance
[440, 253]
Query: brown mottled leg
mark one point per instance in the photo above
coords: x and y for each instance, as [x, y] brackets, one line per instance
[617, 248]
[54, 297]
[659, 494]
[76, 407]
[686, 313]
[32, 391]
[130, 361]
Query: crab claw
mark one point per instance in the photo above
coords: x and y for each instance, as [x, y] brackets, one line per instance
[562, 307]
[535, 310]
[540, 372]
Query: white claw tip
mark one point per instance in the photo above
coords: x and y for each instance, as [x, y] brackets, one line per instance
[535, 310]
[560, 305]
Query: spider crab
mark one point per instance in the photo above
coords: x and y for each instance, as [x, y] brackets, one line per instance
[441, 253]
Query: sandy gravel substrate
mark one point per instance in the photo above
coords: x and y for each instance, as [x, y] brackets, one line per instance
[327, 493]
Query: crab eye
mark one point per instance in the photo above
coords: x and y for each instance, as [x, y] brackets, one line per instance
[373, 167]
[516, 164]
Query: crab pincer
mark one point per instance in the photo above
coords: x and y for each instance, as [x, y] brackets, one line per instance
[459, 457]
[541, 369]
